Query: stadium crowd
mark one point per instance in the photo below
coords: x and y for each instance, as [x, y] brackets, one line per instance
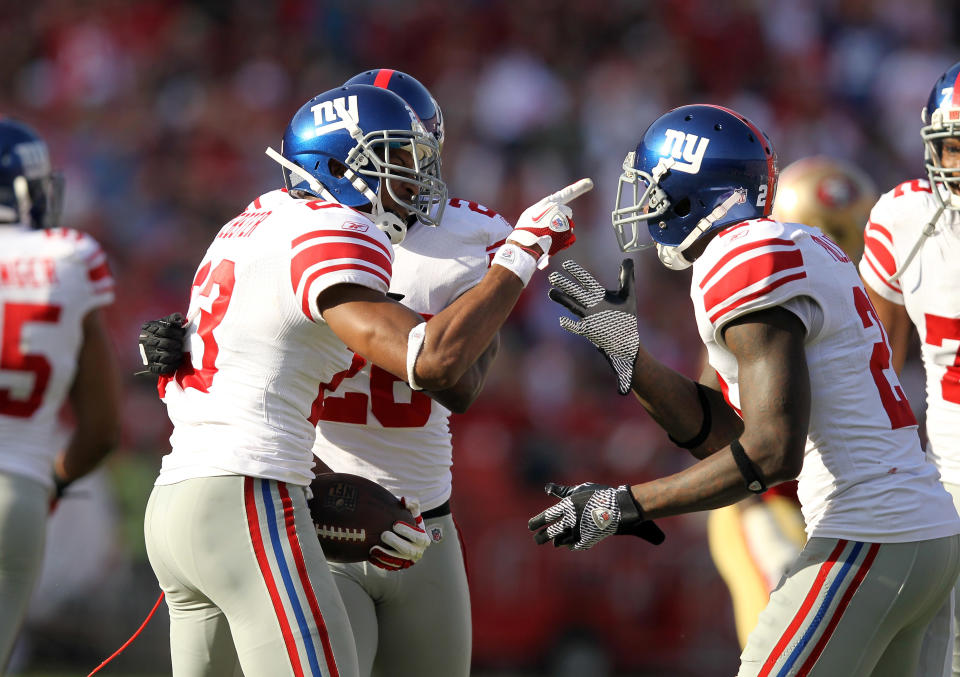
[158, 111]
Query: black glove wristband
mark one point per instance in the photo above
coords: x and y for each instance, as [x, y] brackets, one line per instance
[633, 521]
[60, 485]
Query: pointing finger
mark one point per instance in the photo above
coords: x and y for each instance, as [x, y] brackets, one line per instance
[571, 192]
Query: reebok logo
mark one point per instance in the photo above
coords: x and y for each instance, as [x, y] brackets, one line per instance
[354, 226]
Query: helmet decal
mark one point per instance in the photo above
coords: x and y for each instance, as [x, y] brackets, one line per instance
[338, 113]
[689, 148]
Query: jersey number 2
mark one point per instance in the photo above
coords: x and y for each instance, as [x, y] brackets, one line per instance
[895, 403]
[938, 329]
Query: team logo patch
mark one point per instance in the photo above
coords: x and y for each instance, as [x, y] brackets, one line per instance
[601, 517]
[341, 497]
[353, 225]
[689, 148]
[558, 223]
[436, 533]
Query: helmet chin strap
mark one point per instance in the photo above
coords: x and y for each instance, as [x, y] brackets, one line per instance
[21, 190]
[928, 230]
[315, 185]
[672, 256]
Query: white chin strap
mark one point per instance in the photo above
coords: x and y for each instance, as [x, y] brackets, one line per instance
[388, 222]
[672, 255]
[315, 185]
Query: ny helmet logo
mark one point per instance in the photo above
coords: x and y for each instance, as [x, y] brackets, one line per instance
[33, 157]
[689, 148]
[329, 116]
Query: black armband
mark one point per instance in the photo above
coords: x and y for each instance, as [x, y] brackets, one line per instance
[751, 474]
[705, 427]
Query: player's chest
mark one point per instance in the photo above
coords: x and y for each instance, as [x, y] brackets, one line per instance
[931, 285]
[431, 275]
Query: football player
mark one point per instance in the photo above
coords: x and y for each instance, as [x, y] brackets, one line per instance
[54, 350]
[803, 389]
[283, 290]
[911, 272]
[753, 541]
[374, 425]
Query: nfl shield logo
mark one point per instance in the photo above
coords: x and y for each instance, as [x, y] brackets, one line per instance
[436, 533]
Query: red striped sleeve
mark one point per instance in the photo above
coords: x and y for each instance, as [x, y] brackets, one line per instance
[757, 294]
[305, 302]
[737, 251]
[879, 248]
[751, 272]
[343, 233]
[347, 254]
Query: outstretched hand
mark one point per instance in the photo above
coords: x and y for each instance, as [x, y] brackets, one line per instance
[548, 223]
[589, 513]
[609, 317]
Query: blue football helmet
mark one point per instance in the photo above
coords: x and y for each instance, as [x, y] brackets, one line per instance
[341, 146]
[941, 120]
[30, 191]
[423, 104]
[697, 169]
[410, 90]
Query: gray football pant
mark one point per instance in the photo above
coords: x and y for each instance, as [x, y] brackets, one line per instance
[24, 507]
[933, 637]
[854, 609]
[415, 621]
[245, 579]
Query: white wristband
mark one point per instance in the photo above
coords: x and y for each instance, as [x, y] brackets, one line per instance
[517, 261]
[414, 346]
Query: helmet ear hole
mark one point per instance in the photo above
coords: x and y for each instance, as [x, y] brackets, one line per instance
[337, 168]
[682, 207]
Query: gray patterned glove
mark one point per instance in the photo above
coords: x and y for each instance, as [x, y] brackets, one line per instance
[588, 513]
[609, 317]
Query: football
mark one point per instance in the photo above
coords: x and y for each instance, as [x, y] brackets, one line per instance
[350, 512]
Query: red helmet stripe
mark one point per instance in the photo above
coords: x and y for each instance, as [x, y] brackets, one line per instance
[383, 78]
[956, 91]
[761, 137]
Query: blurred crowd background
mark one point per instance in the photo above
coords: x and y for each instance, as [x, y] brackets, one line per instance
[158, 112]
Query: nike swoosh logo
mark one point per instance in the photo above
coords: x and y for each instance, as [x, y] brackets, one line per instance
[537, 218]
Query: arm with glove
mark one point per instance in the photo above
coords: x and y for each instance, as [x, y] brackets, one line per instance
[695, 416]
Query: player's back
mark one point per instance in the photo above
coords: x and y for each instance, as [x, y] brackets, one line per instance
[864, 475]
[372, 423]
[49, 281]
[246, 399]
[929, 289]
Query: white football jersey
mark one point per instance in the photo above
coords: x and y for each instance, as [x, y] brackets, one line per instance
[247, 398]
[49, 280]
[930, 291]
[372, 423]
[864, 477]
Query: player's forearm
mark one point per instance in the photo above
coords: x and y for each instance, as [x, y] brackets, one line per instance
[672, 401]
[86, 448]
[463, 394]
[716, 480]
[458, 335]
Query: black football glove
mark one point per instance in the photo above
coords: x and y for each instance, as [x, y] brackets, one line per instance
[161, 344]
[588, 514]
[609, 317]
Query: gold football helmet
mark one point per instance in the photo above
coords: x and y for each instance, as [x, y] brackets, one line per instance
[830, 194]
